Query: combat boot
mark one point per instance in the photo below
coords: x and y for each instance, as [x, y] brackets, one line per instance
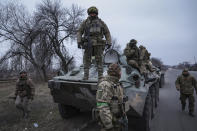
[191, 114]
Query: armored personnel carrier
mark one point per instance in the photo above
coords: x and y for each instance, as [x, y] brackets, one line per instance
[74, 94]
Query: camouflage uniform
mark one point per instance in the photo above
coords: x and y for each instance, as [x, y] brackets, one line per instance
[93, 29]
[186, 84]
[132, 53]
[24, 92]
[109, 96]
[145, 60]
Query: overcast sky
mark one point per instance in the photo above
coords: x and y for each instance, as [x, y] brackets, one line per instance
[168, 28]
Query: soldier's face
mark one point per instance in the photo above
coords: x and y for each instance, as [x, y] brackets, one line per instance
[185, 73]
[93, 14]
[23, 75]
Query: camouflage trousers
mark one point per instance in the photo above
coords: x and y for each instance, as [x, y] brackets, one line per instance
[136, 64]
[22, 103]
[190, 97]
[97, 51]
[108, 121]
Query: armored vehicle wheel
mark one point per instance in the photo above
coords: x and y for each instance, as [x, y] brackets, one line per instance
[147, 113]
[153, 100]
[157, 94]
[66, 111]
[161, 82]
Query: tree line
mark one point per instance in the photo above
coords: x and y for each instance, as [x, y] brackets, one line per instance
[37, 38]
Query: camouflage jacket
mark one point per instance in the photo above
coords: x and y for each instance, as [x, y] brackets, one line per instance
[144, 55]
[132, 53]
[186, 84]
[108, 88]
[25, 87]
[96, 29]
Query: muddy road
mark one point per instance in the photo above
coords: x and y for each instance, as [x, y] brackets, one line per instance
[45, 115]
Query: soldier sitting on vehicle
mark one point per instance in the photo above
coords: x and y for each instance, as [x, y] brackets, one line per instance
[145, 60]
[24, 92]
[186, 84]
[132, 53]
[110, 101]
[90, 37]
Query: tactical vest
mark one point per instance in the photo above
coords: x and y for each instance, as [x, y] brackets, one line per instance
[23, 88]
[94, 28]
[186, 84]
[136, 54]
[117, 99]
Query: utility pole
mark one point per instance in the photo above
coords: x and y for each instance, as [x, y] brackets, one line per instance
[195, 60]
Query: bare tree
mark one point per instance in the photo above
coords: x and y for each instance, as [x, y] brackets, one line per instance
[60, 24]
[28, 41]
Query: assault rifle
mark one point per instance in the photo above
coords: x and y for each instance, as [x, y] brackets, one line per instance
[89, 45]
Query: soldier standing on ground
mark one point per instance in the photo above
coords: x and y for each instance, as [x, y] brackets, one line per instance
[109, 97]
[132, 53]
[186, 84]
[90, 37]
[24, 92]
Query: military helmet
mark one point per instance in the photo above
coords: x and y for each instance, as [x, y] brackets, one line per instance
[141, 47]
[114, 70]
[133, 41]
[92, 9]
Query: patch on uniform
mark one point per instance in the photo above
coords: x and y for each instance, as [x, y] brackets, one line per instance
[100, 93]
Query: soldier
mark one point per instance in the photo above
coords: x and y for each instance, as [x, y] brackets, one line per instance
[90, 37]
[186, 83]
[109, 97]
[132, 53]
[145, 60]
[24, 92]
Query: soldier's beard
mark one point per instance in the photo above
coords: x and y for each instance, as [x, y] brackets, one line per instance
[185, 74]
[93, 17]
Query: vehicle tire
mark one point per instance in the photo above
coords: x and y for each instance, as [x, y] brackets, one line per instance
[153, 100]
[66, 111]
[161, 81]
[147, 113]
[157, 94]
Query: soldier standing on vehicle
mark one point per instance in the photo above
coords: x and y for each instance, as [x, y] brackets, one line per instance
[133, 55]
[90, 37]
[24, 92]
[186, 84]
[110, 101]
